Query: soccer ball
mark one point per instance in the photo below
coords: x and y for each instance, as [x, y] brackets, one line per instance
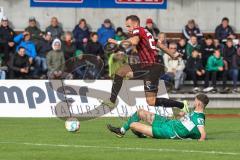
[72, 125]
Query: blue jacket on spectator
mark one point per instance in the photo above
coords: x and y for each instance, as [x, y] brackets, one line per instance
[79, 34]
[104, 34]
[28, 45]
[223, 33]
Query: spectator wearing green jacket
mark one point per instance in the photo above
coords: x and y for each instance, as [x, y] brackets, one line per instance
[55, 60]
[120, 35]
[192, 45]
[213, 68]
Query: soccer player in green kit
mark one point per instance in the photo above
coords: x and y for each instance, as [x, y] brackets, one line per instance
[189, 125]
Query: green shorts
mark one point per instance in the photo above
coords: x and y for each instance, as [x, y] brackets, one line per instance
[161, 128]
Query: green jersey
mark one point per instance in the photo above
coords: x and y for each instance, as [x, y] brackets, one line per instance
[187, 126]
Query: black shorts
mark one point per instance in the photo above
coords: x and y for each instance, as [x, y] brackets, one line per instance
[149, 73]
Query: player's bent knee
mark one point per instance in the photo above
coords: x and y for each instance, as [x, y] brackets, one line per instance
[133, 125]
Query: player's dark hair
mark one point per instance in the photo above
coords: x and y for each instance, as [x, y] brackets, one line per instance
[133, 18]
[203, 98]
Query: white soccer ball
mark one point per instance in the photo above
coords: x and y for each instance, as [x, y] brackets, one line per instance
[72, 125]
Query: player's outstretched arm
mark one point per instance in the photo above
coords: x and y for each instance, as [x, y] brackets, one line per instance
[203, 133]
[133, 40]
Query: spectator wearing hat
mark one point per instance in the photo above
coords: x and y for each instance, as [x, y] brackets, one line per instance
[36, 33]
[192, 29]
[6, 40]
[55, 29]
[224, 30]
[150, 27]
[19, 65]
[105, 32]
[120, 35]
[23, 40]
[81, 34]
[55, 60]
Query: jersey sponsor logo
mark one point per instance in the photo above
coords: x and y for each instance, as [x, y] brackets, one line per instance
[200, 121]
[187, 123]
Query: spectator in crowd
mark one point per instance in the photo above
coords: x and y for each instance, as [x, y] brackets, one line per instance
[68, 46]
[214, 66]
[163, 40]
[191, 45]
[228, 51]
[36, 33]
[120, 35]
[192, 29]
[45, 45]
[55, 60]
[94, 47]
[55, 29]
[150, 27]
[181, 48]
[81, 34]
[218, 45]
[207, 49]
[224, 30]
[195, 69]
[235, 69]
[115, 61]
[23, 40]
[19, 65]
[2, 74]
[174, 67]
[106, 32]
[6, 40]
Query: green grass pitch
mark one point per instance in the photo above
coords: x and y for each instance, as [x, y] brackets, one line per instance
[47, 139]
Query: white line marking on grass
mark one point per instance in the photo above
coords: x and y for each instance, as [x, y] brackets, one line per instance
[124, 148]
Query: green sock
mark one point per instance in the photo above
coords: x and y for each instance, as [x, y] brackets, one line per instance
[133, 118]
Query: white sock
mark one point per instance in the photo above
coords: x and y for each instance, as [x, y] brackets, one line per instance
[123, 131]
